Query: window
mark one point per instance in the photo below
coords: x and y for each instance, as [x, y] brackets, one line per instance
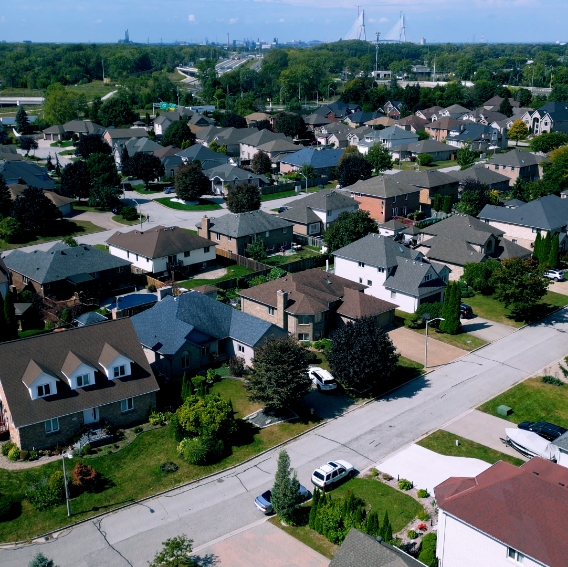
[83, 380]
[304, 319]
[284, 229]
[395, 211]
[393, 294]
[514, 241]
[427, 277]
[240, 348]
[136, 260]
[204, 350]
[404, 209]
[406, 196]
[206, 249]
[25, 279]
[127, 254]
[318, 317]
[119, 371]
[360, 280]
[187, 253]
[328, 213]
[361, 264]
[267, 234]
[303, 337]
[185, 359]
[369, 282]
[534, 230]
[515, 555]
[127, 404]
[43, 390]
[120, 269]
[52, 425]
[380, 270]
[217, 236]
[394, 199]
[313, 228]
[271, 310]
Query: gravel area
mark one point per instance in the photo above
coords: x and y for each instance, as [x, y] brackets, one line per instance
[265, 418]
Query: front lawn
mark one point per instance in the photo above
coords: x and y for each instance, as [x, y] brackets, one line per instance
[203, 205]
[152, 188]
[280, 260]
[308, 537]
[444, 443]
[234, 271]
[279, 195]
[234, 390]
[121, 220]
[532, 400]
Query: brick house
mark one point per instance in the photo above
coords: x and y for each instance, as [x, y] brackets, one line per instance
[312, 303]
[385, 197]
[439, 130]
[517, 163]
[234, 232]
[54, 385]
[61, 271]
[493, 180]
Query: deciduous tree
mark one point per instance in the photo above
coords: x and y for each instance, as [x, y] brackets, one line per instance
[178, 133]
[243, 197]
[347, 228]
[76, 180]
[548, 141]
[175, 553]
[474, 196]
[28, 143]
[479, 275]
[102, 169]
[207, 416]
[261, 163]
[191, 183]
[34, 211]
[291, 125]
[380, 158]
[466, 157]
[352, 169]
[285, 496]
[91, 144]
[518, 131]
[147, 167]
[256, 250]
[117, 111]
[234, 121]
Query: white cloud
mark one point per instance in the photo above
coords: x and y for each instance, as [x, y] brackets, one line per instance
[383, 20]
[191, 18]
[233, 20]
[371, 20]
[281, 20]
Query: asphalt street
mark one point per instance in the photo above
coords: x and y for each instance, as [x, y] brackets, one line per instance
[209, 509]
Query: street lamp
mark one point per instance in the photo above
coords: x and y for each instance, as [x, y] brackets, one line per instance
[69, 456]
[328, 87]
[426, 317]
[306, 177]
[216, 100]
[317, 97]
[139, 212]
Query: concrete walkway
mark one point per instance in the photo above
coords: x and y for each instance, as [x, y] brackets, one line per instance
[484, 429]
[485, 329]
[411, 345]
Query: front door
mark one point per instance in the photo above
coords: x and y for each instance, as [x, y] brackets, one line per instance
[91, 415]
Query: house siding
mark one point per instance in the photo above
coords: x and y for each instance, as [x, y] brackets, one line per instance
[383, 209]
[526, 173]
[524, 235]
[239, 245]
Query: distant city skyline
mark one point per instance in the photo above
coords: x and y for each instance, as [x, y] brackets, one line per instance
[101, 21]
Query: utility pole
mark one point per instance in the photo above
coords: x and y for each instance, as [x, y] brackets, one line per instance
[377, 56]
[103, 62]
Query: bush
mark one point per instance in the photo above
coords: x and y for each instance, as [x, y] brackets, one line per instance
[417, 320]
[202, 450]
[404, 484]
[24, 455]
[85, 477]
[387, 476]
[322, 345]
[423, 515]
[129, 213]
[422, 493]
[428, 550]
[42, 497]
[374, 472]
[552, 380]
[14, 453]
[6, 447]
[425, 159]
[412, 534]
[236, 366]
[8, 507]
[138, 429]
[200, 385]
[159, 417]
[175, 427]
[57, 484]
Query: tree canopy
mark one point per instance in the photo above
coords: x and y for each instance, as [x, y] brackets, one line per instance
[147, 167]
[76, 180]
[380, 158]
[91, 144]
[348, 228]
[234, 121]
[5, 198]
[549, 141]
[291, 125]
[117, 111]
[191, 183]
[243, 197]
[261, 163]
[518, 131]
[474, 196]
[177, 133]
[285, 496]
[34, 211]
[352, 169]
[103, 170]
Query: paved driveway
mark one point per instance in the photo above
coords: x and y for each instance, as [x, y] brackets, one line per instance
[559, 287]
[104, 220]
[411, 345]
[485, 329]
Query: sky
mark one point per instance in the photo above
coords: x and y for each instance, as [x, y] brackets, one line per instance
[103, 21]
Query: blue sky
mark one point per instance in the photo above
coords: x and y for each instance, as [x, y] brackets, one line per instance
[326, 20]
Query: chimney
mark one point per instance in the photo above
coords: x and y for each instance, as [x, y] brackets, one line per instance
[205, 223]
[281, 304]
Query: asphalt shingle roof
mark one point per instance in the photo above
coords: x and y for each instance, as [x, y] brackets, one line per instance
[479, 173]
[326, 200]
[316, 158]
[31, 174]
[258, 137]
[425, 179]
[246, 224]
[383, 186]
[229, 172]
[516, 158]
[203, 154]
[300, 215]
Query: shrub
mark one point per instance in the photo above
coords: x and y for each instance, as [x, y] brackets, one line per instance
[24, 455]
[404, 484]
[151, 288]
[422, 493]
[322, 345]
[425, 159]
[428, 550]
[57, 484]
[14, 453]
[6, 447]
[374, 472]
[168, 467]
[236, 366]
[200, 385]
[41, 497]
[8, 507]
[412, 534]
[85, 477]
[202, 450]
[423, 515]
[175, 428]
[552, 380]
[158, 417]
[211, 375]
[138, 429]
[129, 213]
[387, 476]
[422, 527]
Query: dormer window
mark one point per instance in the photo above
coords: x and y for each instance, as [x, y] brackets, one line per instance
[43, 390]
[83, 380]
[119, 371]
[115, 364]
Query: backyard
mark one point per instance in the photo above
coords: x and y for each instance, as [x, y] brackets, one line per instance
[291, 256]
[203, 205]
[234, 271]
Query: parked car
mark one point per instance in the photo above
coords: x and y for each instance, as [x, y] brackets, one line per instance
[282, 209]
[127, 186]
[264, 504]
[557, 275]
[546, 430]
[466, 312]
[331, 473]
[169, 190]
[322, 379]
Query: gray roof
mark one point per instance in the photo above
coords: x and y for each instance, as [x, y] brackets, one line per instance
[259, 137]
[463, 227]
[197, 318]
[204, 155]
[513, 203]
[326, 200]
[425, 179]
[228, 172]
[393, 224]
[479, 173]
[383, 186]
[458, 252]
[278, 145]
[546, 213]
[246, 224]
[32, 175]
[396, 133]
[229, 136]
[426, 146]
[470, 131]
[516, 158]
[61, 262]
[82, 126]
[89, 318]
[562, 441]
[300, 215]
[316, 158]
[126, 133]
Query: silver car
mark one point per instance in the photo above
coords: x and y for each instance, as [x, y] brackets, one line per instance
[322, 379]
[557, 275]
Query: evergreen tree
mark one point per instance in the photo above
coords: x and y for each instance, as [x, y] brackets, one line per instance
[451, 309]
[372, 525]
[314, 509]
[23, 122]
[286, 489]
[10, 322]
[546, 245]
[49, 163]
[447, 204]
[554, 256]
[537, 248]
[5, 198]
[518, 190]
[437, 202]
[3, 326]
[186, 387]
[386, 529]
[506, 108]
[446, 306]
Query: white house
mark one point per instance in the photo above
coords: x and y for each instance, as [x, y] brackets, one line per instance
[392, 271]
[505, 516]
[160, 249]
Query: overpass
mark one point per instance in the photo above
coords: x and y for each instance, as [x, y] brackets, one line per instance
[21, 100]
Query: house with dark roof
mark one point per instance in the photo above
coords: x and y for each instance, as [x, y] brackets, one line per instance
[278, 147]
[314, 121]
[506, 515]
[134, 146]
[439, 129]
[479, 136]
[453, 111]
[391, 271]
[551, 117]
[478, 172]
[414, 123]
[394, 108]
[61, 271]
[113, 136]
[224, 178]
[522, 223]
[495, 102]
[517, 163]
[385, 196]
[54, 385]
[312, 303]
[322, 160]
[390, 138]
[249, 144]
[357, 119]
[166, 118]
[208, 158]
[69, 129]
[438, 150]
[26, 173]
[427, 113]
[235, 231]
[192, 330]
[64, 204]
[231, 139]
[314, 213]
[160, 250]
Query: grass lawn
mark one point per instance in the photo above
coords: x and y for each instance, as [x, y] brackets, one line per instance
[234, 271]
[102, 247]
[444, 443]
[92, 89]
[62, 228]
[141, 188]
[464, 341]
[203, 205]
[532, 400]
[67, 153]
[279, 260]
[65, 144]
[234, 390]
[118, 218]
[488, 307]
[412, 165]
[279, 195]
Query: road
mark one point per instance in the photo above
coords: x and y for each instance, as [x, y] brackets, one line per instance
[224, 503]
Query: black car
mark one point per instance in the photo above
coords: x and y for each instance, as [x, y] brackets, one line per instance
[466, 312]
[546, 430]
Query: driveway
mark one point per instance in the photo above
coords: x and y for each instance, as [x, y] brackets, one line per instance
[104, 220]
[411, 345]
[427, 469]
[485, 329]
[559, 287]
[484, 429]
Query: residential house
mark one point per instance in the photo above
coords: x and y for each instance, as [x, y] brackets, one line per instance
[234, 232]
[69, 129]
[394, 109]
[385, 197]
[414, 123]
[64, 204]
[184, 333]
[495, 102]
[522, 223]
[314, 121]
[427, 113]
[337, 110]
[493, 180]
[134, 146]
[383, 121]
[10, 153]
[60, 271]
[392, 228]
[166, 151]
[198, 121]
[381, 75]
[314, 213]
[171, 165]
[166, 118]
[455, 111]
[505, 516]
[517, 163]
[255, 117]
[249, 144]
[206, 157]
[26, 173]
[4, 278]
[54, 385]
[421, 71]
[462, 239]
[440, 129]
[224, 178]
[561, 444]
[89, 318]
[357, 119]
[551, 117]
[390, 138]
[231, 139]
[54, 133]
[277, 147]
[391, 271]
[438, 150]
[358, 134]
[206, 134]
[312, 303]
[503, 125]
[479, 136]
[322, 160]
[113, 136]
[324, 133]
[159, 250]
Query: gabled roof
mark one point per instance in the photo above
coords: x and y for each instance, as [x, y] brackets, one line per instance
[360, 117]
[326, 200]
[82, 126]
[316, 120]
[204, 155]
[90, 318]
[516, 158]
[33, 371]
[278, 145]
[522, 507]
[58, 200]
[357, 304]
[444, 123]
[395, 133]
[470, 131]
[464, 227]
[142, 145]
[237, 225]
[508, 249]
[558, 110]
[230, 136]
[228, 172]
[479, 173]
[425, 179]
[383, 186]
[31, 174]
[167, 151]
[316, 158]
[413, 120]
[300, 215]
[159, 241]
[497, 100]
[126, 133]
[258, 137]
[426, 146]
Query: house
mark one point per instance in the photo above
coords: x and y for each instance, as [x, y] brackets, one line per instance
[394, 108]
[206, 157]
[483, 116]
[357, 119]
[231, 139]
[60, 271]
[192, 330]
[439, 130]
[134, 146]
[277, 147]
[505, 516]
[314, 213]
[522, 223]
[551, 117]
[463, 239]
[383, 121]
[438, 150]
[166, 151]
[10, 153]
[430, 183]
[385, 197]
[357, 135]
[54, 133]
[113, 136]
[495, 102]
[225, 177]
[4, 278]
[255, 117]
[206, 134]
[390, 137]
[312, 303]
[198, 121]
[166, 118]
[159, 250]
[26, 173]
[392, 228]
[54, 385]
[314, 121]
[479, 136]
[427, 113]
[323, 161]
[517, 163]
[234, 232]
[249, 144]
[493, 180]
[453, 111]
[171, 165]
[69, 129]
[337, 110]
[323, 134]
[89, 318]
[361, 550]
[391, 271]
[413, 123]
[64, 204]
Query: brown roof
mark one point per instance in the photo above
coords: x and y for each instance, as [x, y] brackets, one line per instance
[357, 304]
[445, 123]
[159, 241]
[167, 151]
[525, 508]
[16, 190]
[72, 362]
[23, 360]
